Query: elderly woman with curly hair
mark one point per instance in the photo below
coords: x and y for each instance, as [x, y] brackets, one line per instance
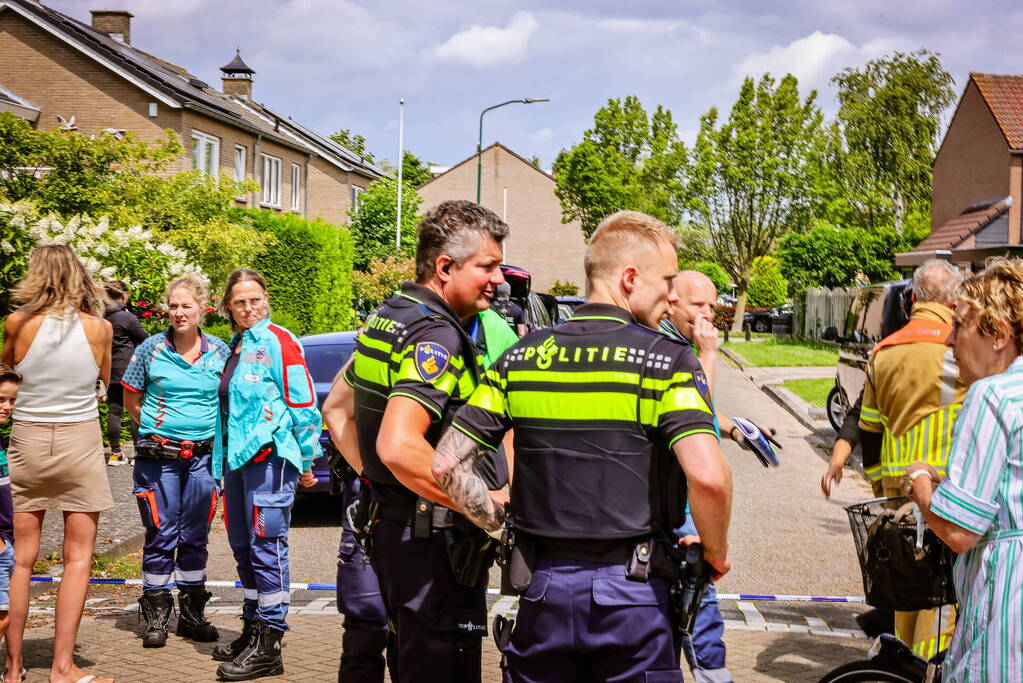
[978, 508]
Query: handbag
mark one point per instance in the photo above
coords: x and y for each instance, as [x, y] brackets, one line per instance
[903, 572]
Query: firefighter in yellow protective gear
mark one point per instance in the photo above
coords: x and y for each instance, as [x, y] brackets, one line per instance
[910, 402]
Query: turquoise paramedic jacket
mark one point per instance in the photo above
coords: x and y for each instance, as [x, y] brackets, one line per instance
[272, 401]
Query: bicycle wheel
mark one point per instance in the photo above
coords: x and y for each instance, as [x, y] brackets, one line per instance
[868, 671]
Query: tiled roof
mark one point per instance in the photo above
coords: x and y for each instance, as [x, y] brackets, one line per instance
[956, 230]
[177, 84]
[1004, 95]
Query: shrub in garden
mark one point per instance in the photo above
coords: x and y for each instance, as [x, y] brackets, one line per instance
[768, 287]
[381, 281]
[308, 268]
[716, 274]
[560, 288]
[133, 255]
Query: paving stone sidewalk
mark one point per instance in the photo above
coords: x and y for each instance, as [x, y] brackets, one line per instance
[109, 642]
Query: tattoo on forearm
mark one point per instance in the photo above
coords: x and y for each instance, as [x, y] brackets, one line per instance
[453, 468]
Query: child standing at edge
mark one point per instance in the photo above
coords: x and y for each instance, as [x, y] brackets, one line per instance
[9, 381]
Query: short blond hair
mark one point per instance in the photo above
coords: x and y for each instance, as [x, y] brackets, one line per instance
[995, 296]
[622, 238]
[192, 284]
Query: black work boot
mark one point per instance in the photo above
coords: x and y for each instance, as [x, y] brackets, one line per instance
[192, 623]
[228, 651]
[155, 606]
[261, 658]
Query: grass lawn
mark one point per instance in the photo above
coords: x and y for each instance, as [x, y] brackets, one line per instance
[813, 391]
[783, 353]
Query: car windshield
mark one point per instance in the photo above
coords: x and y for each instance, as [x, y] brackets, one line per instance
[325, 360]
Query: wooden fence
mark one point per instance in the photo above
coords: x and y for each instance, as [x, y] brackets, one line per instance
[824, 308]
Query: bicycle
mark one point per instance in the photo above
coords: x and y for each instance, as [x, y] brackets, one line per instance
[889, 661]
[888, 578]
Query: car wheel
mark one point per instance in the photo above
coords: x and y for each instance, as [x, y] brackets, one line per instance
[836, 408]
[761, 325]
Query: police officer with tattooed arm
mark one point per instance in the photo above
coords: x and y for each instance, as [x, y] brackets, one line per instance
[605, 410]
[417, 361]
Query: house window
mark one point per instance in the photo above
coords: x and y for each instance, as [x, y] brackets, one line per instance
[356, 193]
[205, 153]
[296, 187]
[271, 181]
[239, 163]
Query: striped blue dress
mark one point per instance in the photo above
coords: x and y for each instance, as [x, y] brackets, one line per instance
[983, 492]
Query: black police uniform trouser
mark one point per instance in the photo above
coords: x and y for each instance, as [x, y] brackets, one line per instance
[440, 624]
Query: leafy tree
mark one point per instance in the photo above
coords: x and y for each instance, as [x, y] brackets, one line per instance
[381, 280]
[69, 174]
[372, 222]
[628, 160]
[716, 274]
[768, 287]
[827, 256]
[560, 288]
[535, 161]
[749, 180]
[354, 143]
[886, 136]
[414, 171]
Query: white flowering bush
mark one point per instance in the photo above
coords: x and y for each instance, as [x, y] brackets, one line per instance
[133, 255]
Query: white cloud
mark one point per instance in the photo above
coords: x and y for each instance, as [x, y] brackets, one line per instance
[482, 46]
[813, 59]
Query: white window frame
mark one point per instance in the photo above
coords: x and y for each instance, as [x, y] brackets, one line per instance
[271, 192]
[241, 157]
[356, 193]
[205, 147]
[296, 187]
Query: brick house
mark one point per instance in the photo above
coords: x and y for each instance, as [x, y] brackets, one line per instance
[56, 70]
[523, 195]
[977, 191]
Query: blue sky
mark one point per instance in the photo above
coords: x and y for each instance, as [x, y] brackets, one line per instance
[334, 64]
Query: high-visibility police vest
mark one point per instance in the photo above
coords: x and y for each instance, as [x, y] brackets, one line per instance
[596, 404]
[413, 346]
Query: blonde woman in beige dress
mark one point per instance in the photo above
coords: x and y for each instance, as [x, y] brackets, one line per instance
[61, 346]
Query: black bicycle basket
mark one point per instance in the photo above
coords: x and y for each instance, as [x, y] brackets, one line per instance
[896, 574]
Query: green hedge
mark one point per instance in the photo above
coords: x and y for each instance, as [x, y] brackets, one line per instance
[308, 270]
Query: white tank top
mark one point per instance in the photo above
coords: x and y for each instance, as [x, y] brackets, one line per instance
[59, 374]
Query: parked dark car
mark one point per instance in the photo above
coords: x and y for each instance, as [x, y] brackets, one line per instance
[777, 319]
[325, 354]
[541, 310]
[567, 305]
[876, 312]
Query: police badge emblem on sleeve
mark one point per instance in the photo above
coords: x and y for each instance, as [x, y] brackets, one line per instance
[702, 386]
[431, 360]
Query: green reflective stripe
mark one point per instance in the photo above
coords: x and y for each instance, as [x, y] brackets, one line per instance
[466, 385]
[664, 384]
[599, 317]
[873, 472]
[683, 398]
[690, 433]
[595, 405]
[446, 382]
[496, 378]
[591, 377]
[870, 415]
[371, 370]
[488, 397]
[929, 440]
[377, 344]
[472, 436]
[417, 399]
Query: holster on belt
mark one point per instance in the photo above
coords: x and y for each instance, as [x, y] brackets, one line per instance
[687, 591]
[471, 551]
[516, 556]
[363, 514]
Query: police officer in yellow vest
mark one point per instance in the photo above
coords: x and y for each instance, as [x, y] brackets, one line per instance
[910, 402]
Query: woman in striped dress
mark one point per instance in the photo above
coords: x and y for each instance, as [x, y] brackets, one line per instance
[978, 508]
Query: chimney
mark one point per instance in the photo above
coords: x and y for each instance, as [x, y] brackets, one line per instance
[116, 23]
[236, 77]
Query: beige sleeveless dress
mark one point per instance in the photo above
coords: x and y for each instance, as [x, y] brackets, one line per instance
[56, 449]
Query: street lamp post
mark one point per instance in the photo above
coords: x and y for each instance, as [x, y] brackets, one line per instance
[479, 140]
